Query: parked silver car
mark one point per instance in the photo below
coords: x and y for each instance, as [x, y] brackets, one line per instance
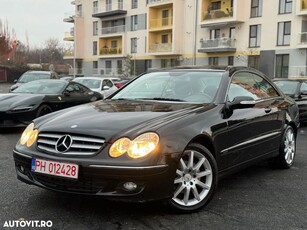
[104, 86]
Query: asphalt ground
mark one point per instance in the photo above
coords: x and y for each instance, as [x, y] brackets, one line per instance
[256, 198]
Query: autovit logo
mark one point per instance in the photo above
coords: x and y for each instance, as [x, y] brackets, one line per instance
[27, 224]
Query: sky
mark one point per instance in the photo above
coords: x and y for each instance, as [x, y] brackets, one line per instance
[40, 19]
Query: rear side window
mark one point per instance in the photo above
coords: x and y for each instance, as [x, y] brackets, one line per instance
[251, 85]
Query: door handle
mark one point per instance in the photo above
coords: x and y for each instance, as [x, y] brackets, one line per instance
[267, 109]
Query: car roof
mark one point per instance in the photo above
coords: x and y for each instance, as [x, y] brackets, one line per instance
[39, 72]
[96, 78]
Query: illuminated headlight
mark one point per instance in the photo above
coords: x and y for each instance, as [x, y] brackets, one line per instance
[137, 148]
[22, 108]
[29, 136]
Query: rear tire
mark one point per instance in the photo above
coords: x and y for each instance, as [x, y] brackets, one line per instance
[195, 181]
[287, 150]
[43, 110]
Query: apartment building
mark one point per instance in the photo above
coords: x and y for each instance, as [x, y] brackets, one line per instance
[268, 35]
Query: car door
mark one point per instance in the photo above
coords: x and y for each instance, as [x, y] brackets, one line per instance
[252, 132]
[302, 102]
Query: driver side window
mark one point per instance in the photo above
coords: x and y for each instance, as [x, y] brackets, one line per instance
[250, 85]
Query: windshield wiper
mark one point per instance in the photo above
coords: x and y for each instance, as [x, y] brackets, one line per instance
[162, 99]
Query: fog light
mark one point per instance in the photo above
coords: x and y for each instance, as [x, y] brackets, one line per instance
[130, 186]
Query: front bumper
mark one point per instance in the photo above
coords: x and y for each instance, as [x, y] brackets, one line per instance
[153, 182]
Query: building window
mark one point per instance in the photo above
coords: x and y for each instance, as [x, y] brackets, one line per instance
[148, 64]
[134, 22]
[230, 60]
[95, 28]
[95, 7]
[120, 4]
[284, 33]
[119, 66]
[285, 6]
[134, 4]
[213, 61]
[215, 33]
[108, 5]
[108, 66]
[95, 48]
[253, 61]
[164, 38]
[282, 65]
[79, 10]
[95, 65]
[256, 8]
[165, 17]
[254, 36]
[134, 45]
[215, 5]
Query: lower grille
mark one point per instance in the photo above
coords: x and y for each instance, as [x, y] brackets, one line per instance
[89, 186]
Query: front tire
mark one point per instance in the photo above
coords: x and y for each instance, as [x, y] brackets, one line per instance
[43, 110]
[195, 181]
[287, 150]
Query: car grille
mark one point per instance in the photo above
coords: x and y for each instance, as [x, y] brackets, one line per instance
[81, 145]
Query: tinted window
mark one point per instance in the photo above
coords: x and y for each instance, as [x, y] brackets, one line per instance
[288, 87]
[27, 77]
[76, 89]
[107, 82]
[42, 87]
[251, 85]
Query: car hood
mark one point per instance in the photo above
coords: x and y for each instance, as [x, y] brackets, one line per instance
[110, 118]
[11, 100]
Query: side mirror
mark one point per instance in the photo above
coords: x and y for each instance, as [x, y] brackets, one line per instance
[242, 102]
[15, 81]
[66, 93]
[105, 87]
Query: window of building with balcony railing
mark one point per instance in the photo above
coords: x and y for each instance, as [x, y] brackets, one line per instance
[95, 28]
[164, 38]
[165, 16]
[95, 47]
[120, 4]
[134, 22]
[285, 6]
[284, 33]
[134, 45]
[256, 8]
[253, 61]
[95, 7]
[134, 4]
[216, 5]
[254, 36]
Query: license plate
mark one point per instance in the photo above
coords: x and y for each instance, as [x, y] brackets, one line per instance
[55, 168]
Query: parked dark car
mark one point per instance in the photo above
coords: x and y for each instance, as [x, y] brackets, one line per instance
[169, 135]
[37, 98]
[33, 75]
[297, 89]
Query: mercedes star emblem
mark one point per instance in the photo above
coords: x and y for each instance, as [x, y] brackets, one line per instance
[63, 144]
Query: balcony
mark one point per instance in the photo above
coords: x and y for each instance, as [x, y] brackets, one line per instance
[161, 23]
[115, 9]
[160, 48]
[113, 30]
[68, 54]
[69, 36]
[107, 72]
[302, 7]
[69, 17]
[156, 2]
[222, 13]
[302, 40]
[217, 45]
[110, 51]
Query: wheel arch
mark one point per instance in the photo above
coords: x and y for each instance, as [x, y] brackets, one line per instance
[205, 141]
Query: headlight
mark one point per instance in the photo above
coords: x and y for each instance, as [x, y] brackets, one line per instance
[22, 108]
[29, 136]
[139, 147]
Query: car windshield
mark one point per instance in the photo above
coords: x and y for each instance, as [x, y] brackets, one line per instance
[42, 87]
[90, 83]
[27, 77]
[193, 86]
[288, 87]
